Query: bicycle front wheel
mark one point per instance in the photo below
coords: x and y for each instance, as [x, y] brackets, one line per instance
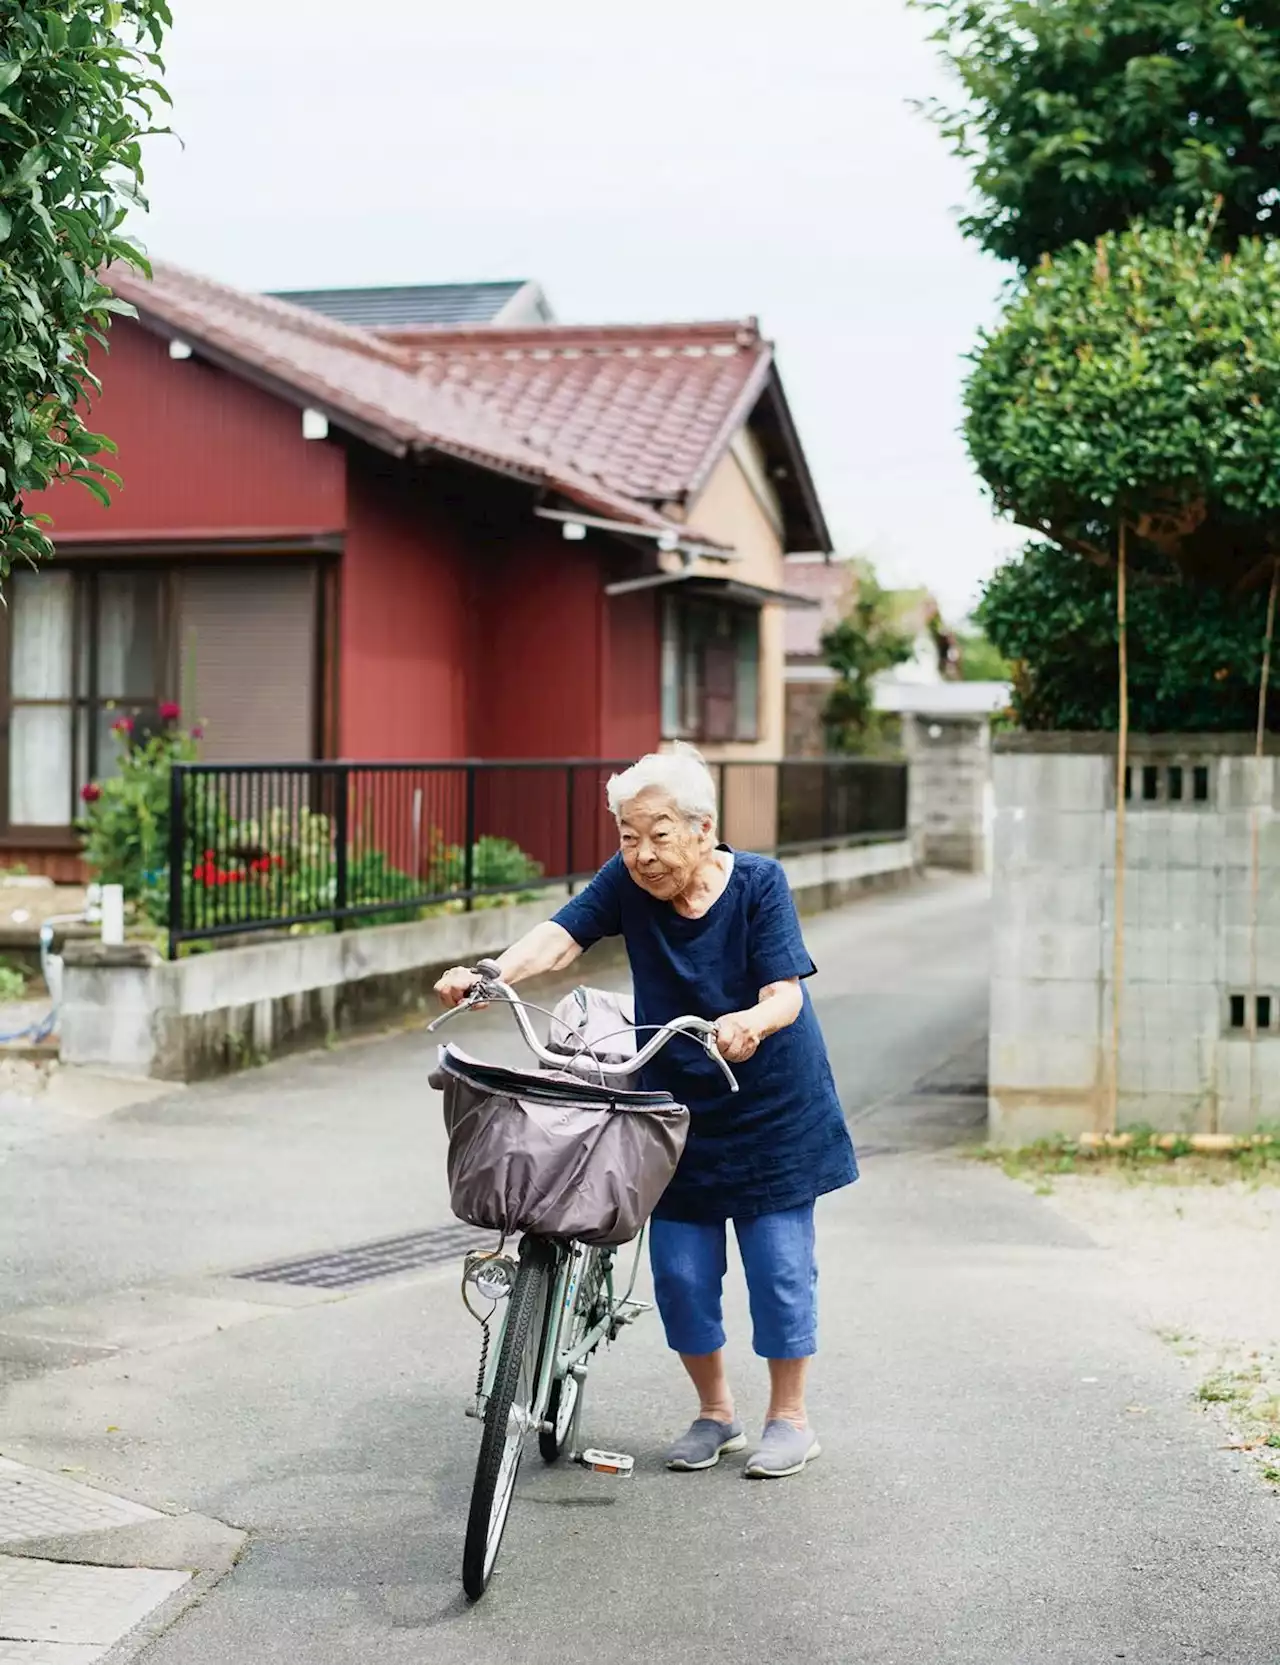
[587, 1310]
[509, 1417]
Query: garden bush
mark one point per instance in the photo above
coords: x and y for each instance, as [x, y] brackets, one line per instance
[1195, 652]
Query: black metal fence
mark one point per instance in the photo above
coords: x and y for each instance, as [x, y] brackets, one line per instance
[271, 846]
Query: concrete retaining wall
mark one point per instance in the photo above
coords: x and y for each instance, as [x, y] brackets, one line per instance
[126, 1009]
[1199, 1034]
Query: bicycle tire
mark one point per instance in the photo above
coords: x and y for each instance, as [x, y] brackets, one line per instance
[567, 1390]
[501, 1445]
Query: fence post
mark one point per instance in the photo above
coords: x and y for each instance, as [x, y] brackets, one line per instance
[570, 776]
[341, 836]
[827, 768]
[469, 847]
[177, 847]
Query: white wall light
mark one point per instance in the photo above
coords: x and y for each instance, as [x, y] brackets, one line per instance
[179, 349]
[574, 531]
[315, 425]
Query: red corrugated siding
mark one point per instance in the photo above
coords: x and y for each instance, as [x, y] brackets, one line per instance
[632, 722]
[537, 646]
[405, 632]
[201, 453]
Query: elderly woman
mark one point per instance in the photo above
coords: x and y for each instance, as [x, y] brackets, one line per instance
[713, 931]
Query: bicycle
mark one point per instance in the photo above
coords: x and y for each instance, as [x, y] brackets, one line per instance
[561, 1303]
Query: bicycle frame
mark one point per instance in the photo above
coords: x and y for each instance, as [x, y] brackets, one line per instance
[558, 1362]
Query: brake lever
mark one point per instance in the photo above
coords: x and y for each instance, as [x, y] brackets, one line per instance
[714, 1052]
[473, 1002]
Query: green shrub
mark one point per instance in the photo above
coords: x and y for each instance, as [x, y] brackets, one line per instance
[1195, 652]
[125, 820]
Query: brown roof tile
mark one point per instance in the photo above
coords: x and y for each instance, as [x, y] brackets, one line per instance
[647, 410]
[379, 386]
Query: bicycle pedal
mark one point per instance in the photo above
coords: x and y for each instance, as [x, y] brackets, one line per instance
[617, 1463]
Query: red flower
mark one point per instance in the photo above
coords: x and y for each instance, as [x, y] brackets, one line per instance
[169, 712]
[197, 733]
[122, 725]
[91, 793]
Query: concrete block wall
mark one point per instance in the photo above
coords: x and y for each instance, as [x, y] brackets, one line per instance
[1193, 934]
[950, 759]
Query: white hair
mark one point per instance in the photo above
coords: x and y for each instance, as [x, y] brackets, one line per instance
[680, 775]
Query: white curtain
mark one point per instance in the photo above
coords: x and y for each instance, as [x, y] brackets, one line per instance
[40, 763]
[127, 604]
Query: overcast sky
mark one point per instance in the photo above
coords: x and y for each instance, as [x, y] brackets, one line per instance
[683, 159]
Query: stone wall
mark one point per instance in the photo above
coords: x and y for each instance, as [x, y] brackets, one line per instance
[950, 759]
[127, 1010]
[1199, 1033]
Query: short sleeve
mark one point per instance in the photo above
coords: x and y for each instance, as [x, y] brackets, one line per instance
[595, 912]
[776, 948]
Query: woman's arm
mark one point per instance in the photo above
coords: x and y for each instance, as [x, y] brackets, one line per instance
[778, 1005]
[548, 947]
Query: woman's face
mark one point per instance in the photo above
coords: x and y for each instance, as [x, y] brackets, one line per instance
[661, 848]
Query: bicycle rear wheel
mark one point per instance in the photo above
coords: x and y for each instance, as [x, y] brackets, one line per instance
[508, 1419]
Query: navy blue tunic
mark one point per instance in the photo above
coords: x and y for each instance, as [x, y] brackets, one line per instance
[781, 1141]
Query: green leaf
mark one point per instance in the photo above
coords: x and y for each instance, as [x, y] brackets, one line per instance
[95, 488]
[55, 31]
[10, 70]
[6, 224]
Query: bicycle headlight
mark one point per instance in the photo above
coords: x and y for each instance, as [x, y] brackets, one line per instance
[492, 1276]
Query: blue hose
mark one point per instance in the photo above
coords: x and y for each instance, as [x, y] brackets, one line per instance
[41, 1031]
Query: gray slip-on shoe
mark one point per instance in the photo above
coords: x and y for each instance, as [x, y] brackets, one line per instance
[705, 1443]
[784, 1450]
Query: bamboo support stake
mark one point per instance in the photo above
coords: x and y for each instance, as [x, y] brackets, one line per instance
[1255, 833]
[1122, 766]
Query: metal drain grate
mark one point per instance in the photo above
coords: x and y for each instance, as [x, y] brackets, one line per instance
[366, 1262]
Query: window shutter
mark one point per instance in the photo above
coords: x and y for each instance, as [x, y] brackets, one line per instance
[249, 660]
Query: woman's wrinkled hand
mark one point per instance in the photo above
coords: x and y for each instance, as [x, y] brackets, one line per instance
[454, 987]
[737, 1037]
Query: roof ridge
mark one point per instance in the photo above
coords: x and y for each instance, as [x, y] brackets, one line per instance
[736, 332]
[193, 286]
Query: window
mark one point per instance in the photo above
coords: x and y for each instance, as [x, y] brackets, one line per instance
[710, 671]
[84, 648]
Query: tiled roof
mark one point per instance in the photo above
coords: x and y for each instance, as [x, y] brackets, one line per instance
[364, 380]
[425, 306]
[647, 410]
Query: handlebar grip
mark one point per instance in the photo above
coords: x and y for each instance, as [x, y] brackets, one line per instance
[489, 970]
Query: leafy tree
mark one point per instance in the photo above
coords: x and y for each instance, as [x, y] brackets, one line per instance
[77, 82]
[1195, 653]
[980, 659]
[1136, 385]
[865, 643]
[1079, 116]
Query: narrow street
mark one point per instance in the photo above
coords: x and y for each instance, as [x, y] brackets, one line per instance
[1012, 1471]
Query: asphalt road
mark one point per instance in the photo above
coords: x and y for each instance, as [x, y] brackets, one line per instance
[1012, 1473]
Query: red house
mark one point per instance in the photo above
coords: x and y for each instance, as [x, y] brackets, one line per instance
[404, 542]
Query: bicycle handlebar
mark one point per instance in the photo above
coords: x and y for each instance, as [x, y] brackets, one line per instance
[491, 987]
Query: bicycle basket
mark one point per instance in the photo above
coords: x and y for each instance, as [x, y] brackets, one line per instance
[552, 1154]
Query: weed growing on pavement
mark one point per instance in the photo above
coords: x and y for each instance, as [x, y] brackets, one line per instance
[1243, 1391]
[1146, 1156]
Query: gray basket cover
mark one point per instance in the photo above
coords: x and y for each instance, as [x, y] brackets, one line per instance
[591, 1018]
[552, 1154]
